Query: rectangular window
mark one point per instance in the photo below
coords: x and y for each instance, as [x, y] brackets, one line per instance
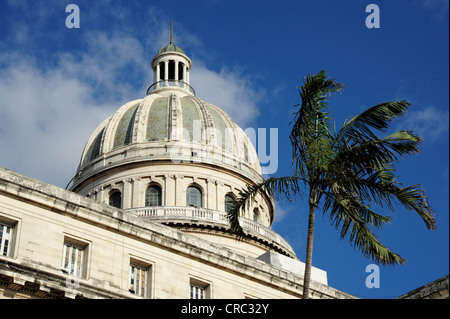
[73, 259]
[5, 239]
[198, 292]
[199, 288]
[138, 279]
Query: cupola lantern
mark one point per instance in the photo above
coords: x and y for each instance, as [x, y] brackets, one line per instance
[171, 68]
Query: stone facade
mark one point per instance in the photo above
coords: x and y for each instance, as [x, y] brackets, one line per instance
[43, 218]
[437, 289]
[145, 215]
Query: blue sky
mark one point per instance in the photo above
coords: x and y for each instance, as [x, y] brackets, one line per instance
[58, 84]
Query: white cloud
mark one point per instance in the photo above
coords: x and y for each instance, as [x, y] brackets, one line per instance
[281, 212]
[49, 110]
[116, 66]
[429, 122]
[229, 90]
[45, 119]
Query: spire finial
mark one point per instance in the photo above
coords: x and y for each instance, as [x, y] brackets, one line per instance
[171, 32]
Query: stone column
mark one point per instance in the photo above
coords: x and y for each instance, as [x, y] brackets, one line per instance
[157, 75]
[127, 193]
[135, 191]
[180, 195]
[97, 195]
[211, 194]
[184, 75]
[166, 73]
[101, 195]
[169, 191]
[176, 72]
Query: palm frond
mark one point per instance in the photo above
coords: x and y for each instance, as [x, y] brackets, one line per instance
[374, 154]
[362, 173]
[355, 219]
[402, 143]
[414, 199]
[289, 186]
[314, 94]
[311, 121]
[363, 239]
[349, 199]
[378, 117]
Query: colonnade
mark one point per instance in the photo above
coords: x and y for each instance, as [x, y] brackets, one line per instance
[164, 78]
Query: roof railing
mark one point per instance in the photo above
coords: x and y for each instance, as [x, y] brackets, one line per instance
[170, 84]
[184, 213]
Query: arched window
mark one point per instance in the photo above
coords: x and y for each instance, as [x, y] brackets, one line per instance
[229, 202]
[115, 199]
[153, 196]
[193, 196]
[256, 215]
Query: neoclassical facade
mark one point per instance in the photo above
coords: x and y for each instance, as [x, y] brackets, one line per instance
[145, 214]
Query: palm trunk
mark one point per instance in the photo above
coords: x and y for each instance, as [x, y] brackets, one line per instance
[309, 243]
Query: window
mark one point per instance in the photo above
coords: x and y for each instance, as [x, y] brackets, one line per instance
[115, 199]
[256, 215]
[73, 259]
[229, 202]
[138, 280]
[5, 239]
[199, 288]
[193, 197]
[197, 292]
[153, 196]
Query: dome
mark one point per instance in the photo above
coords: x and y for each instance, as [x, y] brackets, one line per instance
[171, 48]
[169, 126]
[173, 158]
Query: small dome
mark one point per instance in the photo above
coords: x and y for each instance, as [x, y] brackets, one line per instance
[171, 48]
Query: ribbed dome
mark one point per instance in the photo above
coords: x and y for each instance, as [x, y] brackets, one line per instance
[178, 127]
[176, 159]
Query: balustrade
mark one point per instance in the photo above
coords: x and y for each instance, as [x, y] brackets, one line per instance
[170, 83]
[208, 215]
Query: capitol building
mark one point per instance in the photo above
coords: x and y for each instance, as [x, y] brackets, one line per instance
[145, 215]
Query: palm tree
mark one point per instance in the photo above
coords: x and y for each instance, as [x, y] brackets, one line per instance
[344, 173]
